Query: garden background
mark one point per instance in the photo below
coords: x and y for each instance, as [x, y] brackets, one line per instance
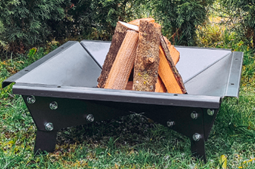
[31, 29]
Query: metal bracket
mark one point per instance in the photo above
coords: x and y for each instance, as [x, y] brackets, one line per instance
[232, 89]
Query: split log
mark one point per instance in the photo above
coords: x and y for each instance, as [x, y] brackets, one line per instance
[129, 85]
[124, 62]
[137, 21]
[168, 71]
[166, 74]
[174, 53]
[147, 59]
[160, 87]
[117, 39]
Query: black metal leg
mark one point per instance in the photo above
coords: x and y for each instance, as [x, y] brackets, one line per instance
[45, 141]
[198, 149]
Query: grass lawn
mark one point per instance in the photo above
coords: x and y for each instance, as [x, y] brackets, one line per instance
[131, 141]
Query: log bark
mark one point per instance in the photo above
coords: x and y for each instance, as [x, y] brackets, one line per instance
[124, 62]
[173, 71]
[166, 74]
[174, 53]
[117, 39]
[147, 59]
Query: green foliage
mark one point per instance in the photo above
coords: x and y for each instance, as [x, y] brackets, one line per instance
[179, 18]
[242, 14]
[25, 21]
[109, 12]
[1, 31]
[104, 15]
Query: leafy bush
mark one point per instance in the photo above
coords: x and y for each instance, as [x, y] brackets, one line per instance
[180, 18]
[243, 13]
[102, 16]
[25, 21]
[28, 23]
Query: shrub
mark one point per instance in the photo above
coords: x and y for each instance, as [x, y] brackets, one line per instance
[103, 14]
[180, 18]
[25, 21]
[243, 12]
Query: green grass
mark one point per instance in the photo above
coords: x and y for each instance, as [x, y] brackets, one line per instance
[131, 141]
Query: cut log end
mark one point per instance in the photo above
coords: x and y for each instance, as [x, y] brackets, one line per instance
[137, 21]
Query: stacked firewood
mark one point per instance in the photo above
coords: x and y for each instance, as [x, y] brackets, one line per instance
[140, 58]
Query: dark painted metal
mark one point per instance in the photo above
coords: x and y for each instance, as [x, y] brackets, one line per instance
[45, 141]
[208, 122]
[72, 112]
[198, 149]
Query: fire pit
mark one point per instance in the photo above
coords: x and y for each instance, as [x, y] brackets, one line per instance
[60, 91]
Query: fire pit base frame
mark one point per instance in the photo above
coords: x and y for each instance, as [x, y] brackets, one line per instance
[60, 95]
[189, 121]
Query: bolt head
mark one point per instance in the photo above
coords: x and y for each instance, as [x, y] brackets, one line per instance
[49, 126]
[194, 115]
[31, 99]
[53, 105]
[170, 123]
[197, 137]
[210, 112]
[90, 118]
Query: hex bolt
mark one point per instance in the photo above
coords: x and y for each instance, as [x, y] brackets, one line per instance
[196, 137]
[170, 123]
[210, 112]
[31, 99]
[53, 105]
[194, 115]
[48, 126]
[90, 118]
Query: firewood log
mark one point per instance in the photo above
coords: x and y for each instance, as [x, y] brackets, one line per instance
[160, 87]
[172, 72]
[147, 58]
[166, 74]
[124, 62]
[129, 85]
[117, 39]
[174, 53]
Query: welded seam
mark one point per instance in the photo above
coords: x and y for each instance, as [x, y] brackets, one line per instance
[206, 68]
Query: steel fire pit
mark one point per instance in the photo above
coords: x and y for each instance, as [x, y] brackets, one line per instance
[60, 91]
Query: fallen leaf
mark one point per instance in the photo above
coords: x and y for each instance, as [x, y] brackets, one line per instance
[223, 161]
